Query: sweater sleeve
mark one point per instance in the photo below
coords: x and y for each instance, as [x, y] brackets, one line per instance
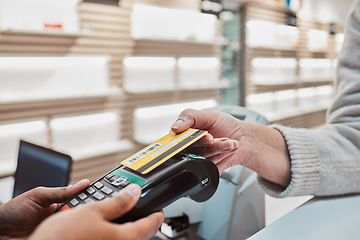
[326, 161]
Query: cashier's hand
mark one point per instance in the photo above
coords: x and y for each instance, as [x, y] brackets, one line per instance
[231, 142]
[20, 216]
[92, 220]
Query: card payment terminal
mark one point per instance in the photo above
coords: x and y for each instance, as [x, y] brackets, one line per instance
[180, 175]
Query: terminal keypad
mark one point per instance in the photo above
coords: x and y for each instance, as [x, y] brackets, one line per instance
[106, 187]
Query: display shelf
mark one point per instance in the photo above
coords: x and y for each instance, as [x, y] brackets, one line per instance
[85, 136]
[288, 104]
[145, 74]
[185, 48]
[94, 167]
[288, 53]
[90, 165]
[262, 88]
[270, 52]
[107, 149]
[314, 43]
[45, 33]
[136, 101]
[160, 118]
[178, 42]
[43, 107]
[7, 172]
[39, 15]
[303, 120]
[182, 89]
[42, 78]
[147, 21]
[34, 130]
[182, 4]
[107, 31]
[292, 113]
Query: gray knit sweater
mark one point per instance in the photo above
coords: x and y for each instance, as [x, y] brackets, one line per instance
[326, 161]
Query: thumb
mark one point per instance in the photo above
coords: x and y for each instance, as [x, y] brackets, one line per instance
[121, 203]
[47, 196]
[191, 118]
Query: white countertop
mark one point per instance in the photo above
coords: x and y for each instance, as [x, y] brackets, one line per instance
[320, 218]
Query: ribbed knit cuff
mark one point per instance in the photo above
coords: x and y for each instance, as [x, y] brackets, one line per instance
[305, 165]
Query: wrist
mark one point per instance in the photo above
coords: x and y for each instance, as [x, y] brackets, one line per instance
[268, 153]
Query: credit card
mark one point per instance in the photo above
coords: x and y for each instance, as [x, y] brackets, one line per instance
[158, 152]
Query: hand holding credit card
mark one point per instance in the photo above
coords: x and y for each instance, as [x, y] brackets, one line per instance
[163, 172]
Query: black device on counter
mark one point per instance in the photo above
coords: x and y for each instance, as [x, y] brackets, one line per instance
[40, 166]
[179, 176]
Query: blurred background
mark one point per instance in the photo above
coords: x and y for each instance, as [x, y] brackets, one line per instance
[99, 80]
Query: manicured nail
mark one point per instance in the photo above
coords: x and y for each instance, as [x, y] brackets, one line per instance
[177, 124]
[132, 190]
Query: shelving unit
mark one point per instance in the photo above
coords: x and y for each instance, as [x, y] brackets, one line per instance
[108, 32]
[174, 48]
[177, 48]
[268, 48]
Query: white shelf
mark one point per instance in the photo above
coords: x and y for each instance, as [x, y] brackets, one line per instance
[214, 43]
[38, 98]
[151, 123]
[47, 32]
[288, 113]
[82, 154]
[147, 22]
[7, 170]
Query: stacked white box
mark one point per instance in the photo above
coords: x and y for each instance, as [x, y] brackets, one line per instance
[198, 72]
[152, 123]
[273, 70]
[23, 78]
[37, 15]
[149, 74]
[312, 69]
[10, 134]
[147, 22]
[86, 135]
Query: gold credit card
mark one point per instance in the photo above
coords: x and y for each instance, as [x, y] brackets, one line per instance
[158, 152]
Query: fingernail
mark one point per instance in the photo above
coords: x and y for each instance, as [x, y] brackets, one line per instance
[208, 139]
[80, 182]
[177, 124]
[132, 190]
[229, 145]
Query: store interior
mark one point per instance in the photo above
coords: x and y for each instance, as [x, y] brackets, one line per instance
[100, 80]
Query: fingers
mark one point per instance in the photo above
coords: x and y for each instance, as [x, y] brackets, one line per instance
[143, 228]
[121, 203]
[118, 205]
[194, 118]
[150, 225]
[47, 196]
[222, 166]
[206, 140]
[219, 146]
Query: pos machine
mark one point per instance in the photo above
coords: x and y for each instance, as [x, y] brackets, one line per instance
[236, 210]
[163, 172]
[229, 207]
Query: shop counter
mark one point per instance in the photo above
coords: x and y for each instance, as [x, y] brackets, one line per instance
[320, 218]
